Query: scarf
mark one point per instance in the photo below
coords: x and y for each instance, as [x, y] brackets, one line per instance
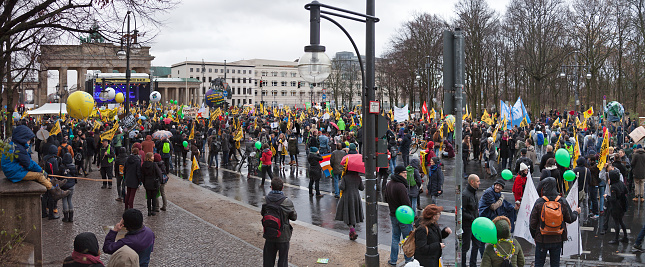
[85, 258]
[433, 169]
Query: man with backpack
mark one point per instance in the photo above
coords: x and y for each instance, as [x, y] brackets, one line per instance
[65, 148]
[214, 146]
[548, 221]
[277, 210]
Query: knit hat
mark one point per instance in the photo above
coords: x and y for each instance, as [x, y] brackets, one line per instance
[500, 182]
[132, 219]
[313, 149]
[523, 166]
[399, 169]
[639, 146]
[86, 243]
[490, 139]
[157, 157]
[503, 225]
[352, 146]
[431, 210]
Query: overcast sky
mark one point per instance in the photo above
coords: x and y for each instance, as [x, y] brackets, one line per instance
[218, 30]
[221, 30]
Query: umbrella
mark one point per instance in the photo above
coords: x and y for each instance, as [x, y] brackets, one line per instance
[167, 120]
[334, 125]
[354, 162]
[133, 133]
[42, 134]
[352, 112]
[161, 135]
[142, 117]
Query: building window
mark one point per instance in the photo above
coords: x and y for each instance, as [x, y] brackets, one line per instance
[238, 91]
[203, 79]
[177, 71]
[244, 80]
[283, 83]
[191, 77]
[274, 93]
[244, 101]
[293, 93]
[233, 80]
[264, 93]
[283, 74]
[215, 70]
[244, 90]
[210, 70]
[283, 93]
[221, 70]
[239, 71]
[294, 74]
[274, 83]
[244, 72]
[191, 69]
[264, 83]
[313, 84]
[250, 72]
[293, 84]
[265, 73]
[318, 93]
[210, 79]
[274, 73]
[228, 70]
[250, 101]
[302, 94]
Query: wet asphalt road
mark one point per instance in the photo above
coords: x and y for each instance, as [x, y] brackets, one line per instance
[321, 211]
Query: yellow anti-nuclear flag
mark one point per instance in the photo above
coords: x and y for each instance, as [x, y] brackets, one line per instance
[588, 113]
[56, 129]
[194, 166]
[524, 123]
[576, 152]
[192, 132]
[109, 135]
[432, 114]
[604, 150]
[486, 118]
[97, 124]
[556, 123]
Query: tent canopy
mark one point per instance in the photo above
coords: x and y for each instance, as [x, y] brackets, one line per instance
[49, 108]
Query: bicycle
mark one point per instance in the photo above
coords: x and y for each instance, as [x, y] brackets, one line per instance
[417, 143]
[249, 159]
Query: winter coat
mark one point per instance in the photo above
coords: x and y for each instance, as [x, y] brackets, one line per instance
[518, 187]
[527, 161]
[638, 164]
[404, 145]
[51, 160]
[549, 189]
[133, 171]
[335, 159]
[69, 169]
[545, 157]
[435, 181]
[292, 145]
[315, 170]
[119, 162]
[350, 208]
[15, 169]
[530, 153]
[583, 174]
[428, 244]
[505, 147]
[505, 248]
[396, 193]
[151, 175]
[489, 198]
[148, 145]
[266, 157]
[413, 191]
[287, 210]
[447, 147]
[617, 200]
[105, 160]
[141, 241]
[470, 203]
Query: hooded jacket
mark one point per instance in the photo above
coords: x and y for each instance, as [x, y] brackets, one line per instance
[287, 210]
[335, 159]
[638, 164]
[548, 188]
[544, 158]
[150, 175]
[266, 157]
[490, 258]
[119, 162]
[148, 145]
[69, 169]
[583, 173]
[133, 171]
[617, 200]
[435, 181]
[413, 191]
[16, 169]
[51, 159]
[396, 193]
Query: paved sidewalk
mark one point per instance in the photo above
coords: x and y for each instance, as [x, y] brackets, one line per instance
[182, 239]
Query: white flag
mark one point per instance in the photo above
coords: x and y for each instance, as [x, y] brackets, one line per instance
[572, 243]
[523, 215]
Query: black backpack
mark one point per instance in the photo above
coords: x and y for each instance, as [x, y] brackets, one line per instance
[272, 219]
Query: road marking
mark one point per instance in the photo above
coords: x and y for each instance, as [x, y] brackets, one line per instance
[626, 254]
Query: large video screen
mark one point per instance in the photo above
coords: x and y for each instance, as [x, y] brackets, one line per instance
[138, 91]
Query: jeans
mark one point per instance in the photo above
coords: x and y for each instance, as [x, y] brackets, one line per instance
[593, 197]
[601, 190]
[641, 235]
[406, 158]
[225, 157]
[413, 200]
[106, 173]
[467, 238]
[120, 184]
[504, 161]
[491, 166]
[213, 155]
[336, 180]
[398, 230]
[392, 163]
[269, 254]
[67, 201]
[162, 188]
[144, 256]
[554, 253]
[266, 169]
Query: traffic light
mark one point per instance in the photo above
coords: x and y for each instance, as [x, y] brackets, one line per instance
[298, 84]
[260, 83]
[324, 105]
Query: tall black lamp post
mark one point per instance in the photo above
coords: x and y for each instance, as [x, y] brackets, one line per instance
[130, 44]
[315, 66]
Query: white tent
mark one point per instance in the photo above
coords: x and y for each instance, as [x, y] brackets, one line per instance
[49, 108]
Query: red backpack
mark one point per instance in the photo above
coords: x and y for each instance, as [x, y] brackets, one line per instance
[272, 219]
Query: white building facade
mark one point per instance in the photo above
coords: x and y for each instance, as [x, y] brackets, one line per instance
[240, 79]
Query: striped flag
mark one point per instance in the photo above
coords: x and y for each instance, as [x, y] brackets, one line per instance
[326, 165]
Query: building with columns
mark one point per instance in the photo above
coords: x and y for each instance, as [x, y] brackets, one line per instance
[181, 89]
[84, 57]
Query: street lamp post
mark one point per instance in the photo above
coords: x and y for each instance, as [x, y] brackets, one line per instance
[60, 92]
[131, 43]
[315, 67]
[575, 76]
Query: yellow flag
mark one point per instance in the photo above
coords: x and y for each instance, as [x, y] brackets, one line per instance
[192, 132]
[604, 150]
[588, 113]
[556, 123]
[557, 144]
[576, 152]
[524, 123]
[109, 135]
[433, 114]
[486, 118]
[56, 129]
[97, 124]
[194, 166]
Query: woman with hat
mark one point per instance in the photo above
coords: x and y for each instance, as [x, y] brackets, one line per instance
[86, 251]
[506, 250]
[350, 208]
[435, 179]
[428, 237]
[490, 155]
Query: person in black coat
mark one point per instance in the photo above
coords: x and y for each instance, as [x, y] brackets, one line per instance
[435, 180]
[132, 177]
[151, 178]
[548, 155]
[315, 170]
[428, 237]
[86, 252]
[470, 206]
[617, 205]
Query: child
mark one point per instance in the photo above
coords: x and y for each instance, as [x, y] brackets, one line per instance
[68, 169]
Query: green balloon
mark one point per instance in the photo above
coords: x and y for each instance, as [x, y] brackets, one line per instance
[258, 144]
[562, 157]
[405, 214]
[507, 174]
[185, 143]
[569, 175]
[484, 230]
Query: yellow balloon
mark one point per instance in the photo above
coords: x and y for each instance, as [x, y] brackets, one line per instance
[80, 105]
[119, 98]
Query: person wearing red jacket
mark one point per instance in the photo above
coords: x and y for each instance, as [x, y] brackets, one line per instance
[266, 162]
[520, 182]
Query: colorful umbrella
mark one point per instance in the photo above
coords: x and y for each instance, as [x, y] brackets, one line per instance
[333, 125]
[161, 135]
[167, 120]
[353, 162]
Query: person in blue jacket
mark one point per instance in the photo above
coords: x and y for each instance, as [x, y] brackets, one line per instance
[22, 167]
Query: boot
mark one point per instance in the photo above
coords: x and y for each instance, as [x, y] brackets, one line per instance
[58, 193]
[65, 216]
[149, 207]
[71, 216]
